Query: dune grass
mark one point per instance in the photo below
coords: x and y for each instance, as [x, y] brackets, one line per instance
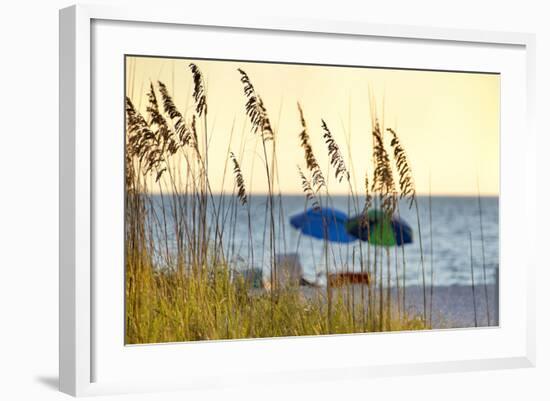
[211, 301]
[209, 305]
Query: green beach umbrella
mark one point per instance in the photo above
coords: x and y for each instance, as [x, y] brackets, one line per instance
[380, 229]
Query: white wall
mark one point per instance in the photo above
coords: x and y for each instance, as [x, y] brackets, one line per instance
[29, 215]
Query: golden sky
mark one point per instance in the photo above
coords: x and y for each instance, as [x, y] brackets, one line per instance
[448, 122]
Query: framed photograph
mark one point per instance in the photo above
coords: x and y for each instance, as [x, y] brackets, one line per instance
[281, 200]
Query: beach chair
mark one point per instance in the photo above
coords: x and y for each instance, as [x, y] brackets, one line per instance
[347, 278]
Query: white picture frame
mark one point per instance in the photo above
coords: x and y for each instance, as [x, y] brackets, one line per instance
[78, 366]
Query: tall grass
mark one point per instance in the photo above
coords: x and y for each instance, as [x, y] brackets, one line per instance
[484, 265]
[473, 280]
[184, 278]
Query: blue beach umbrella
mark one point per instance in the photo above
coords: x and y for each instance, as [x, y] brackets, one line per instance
[323, 223]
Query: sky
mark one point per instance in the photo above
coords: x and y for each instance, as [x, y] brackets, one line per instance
[448, 122]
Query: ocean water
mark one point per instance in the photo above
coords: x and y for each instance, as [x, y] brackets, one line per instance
[445, 243]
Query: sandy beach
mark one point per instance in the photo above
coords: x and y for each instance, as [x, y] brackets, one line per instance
[453, 306]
